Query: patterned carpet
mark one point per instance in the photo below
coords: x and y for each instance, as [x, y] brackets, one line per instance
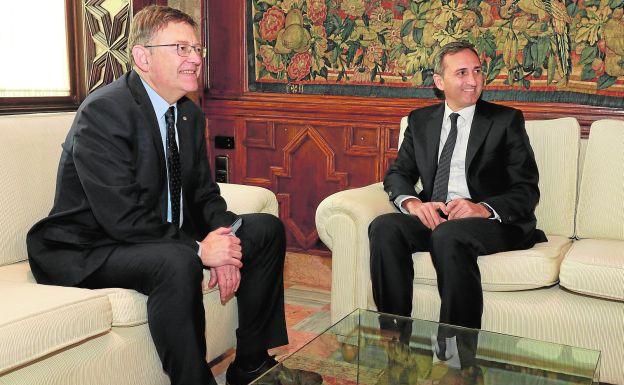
[307, 315]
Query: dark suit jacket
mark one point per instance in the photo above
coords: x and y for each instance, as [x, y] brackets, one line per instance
[112, 185]
[500, 165]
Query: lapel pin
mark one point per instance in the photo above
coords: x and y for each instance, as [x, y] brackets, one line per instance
[184, 118]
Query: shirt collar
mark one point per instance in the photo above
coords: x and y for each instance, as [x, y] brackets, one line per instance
[160, 105]
[467, 113]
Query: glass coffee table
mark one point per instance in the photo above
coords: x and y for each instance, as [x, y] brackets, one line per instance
[373, 348]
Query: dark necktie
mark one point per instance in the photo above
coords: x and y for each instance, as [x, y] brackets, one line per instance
[173, 165]
[440, 184]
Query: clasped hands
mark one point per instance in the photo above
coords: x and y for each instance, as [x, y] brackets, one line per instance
[221, 251]
[428, 213]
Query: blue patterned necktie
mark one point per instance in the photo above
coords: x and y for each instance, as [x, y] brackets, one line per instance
[173, 165]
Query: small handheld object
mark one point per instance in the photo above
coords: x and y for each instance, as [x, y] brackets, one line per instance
[236, 225]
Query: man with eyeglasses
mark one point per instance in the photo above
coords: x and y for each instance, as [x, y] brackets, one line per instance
[136, 208]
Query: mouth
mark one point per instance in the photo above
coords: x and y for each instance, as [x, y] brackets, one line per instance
[192, 72]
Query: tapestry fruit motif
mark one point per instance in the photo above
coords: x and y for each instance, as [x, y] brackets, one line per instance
[542, 45]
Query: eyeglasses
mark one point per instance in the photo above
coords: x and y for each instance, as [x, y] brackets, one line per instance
[183, 50]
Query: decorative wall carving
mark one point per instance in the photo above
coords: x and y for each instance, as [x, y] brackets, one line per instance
[304, 163]
[107, 25]
[310, 179]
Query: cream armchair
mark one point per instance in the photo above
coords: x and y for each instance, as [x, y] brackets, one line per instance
[521, 292]
[69, 336]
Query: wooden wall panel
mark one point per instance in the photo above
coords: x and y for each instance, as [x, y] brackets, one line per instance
[304, 163]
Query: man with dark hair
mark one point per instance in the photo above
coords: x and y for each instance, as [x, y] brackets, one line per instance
[135, 207]
[479, 180]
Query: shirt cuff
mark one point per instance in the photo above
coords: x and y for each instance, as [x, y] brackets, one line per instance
[198, 249]
[496, 216]
[399, 201]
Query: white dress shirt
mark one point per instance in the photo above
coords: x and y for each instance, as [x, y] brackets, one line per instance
[457, 185]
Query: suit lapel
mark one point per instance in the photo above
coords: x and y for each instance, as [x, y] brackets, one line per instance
[140, 96]
[147, 109]
[481, 124]
[433, 128]
[432, 135]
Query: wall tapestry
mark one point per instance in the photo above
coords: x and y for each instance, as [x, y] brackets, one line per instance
[550, 50]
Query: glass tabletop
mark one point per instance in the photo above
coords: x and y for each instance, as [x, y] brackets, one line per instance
[372, 348]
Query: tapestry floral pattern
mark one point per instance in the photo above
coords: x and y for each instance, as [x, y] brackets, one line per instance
[541, 45]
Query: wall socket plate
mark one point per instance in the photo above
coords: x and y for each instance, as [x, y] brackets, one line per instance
[224, 142]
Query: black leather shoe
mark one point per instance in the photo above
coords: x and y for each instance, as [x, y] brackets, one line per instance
[279, 376]
[237, 376]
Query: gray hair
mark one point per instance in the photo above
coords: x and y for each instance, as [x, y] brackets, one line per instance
[151, 19]
[448, 49]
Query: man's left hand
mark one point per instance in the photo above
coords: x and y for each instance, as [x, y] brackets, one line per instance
[463, 208]
[228, 277]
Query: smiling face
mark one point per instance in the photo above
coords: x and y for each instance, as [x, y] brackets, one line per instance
[461, 80]
[170, 75]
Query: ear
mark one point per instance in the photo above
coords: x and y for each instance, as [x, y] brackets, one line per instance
[142, 57]
[439, 82]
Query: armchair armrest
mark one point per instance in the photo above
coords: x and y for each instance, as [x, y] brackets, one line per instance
[342, 221]
[244, 199]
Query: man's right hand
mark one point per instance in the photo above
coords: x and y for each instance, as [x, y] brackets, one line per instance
[427, 212]
[228, 277]
[220, 248]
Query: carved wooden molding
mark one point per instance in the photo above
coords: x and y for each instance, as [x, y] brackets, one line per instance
[380, 110]
[357, 140]
[309, 133]
[309, 239]
[106, 41]
[268, 141]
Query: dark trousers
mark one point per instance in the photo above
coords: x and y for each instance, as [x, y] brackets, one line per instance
[454, 246]
[170, 274]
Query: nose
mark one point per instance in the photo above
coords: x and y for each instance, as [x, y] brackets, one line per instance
[471, 79]
[195, 57]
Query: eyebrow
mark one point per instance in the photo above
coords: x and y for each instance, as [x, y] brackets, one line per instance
[466, 68]
[187, 42]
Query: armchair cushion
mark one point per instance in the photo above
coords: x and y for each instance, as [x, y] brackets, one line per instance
[557, 172]
[37, 320]
[601, 195]
[510, 270]
[595, 267]
[129, 307]
[27, 176]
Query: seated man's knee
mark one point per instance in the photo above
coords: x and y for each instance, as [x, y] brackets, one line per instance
[180, 265]
[266, 226]
[384, 228]
[263, 233]
[450, 235]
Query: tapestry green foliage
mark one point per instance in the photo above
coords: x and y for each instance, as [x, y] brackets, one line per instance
[374, 41]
